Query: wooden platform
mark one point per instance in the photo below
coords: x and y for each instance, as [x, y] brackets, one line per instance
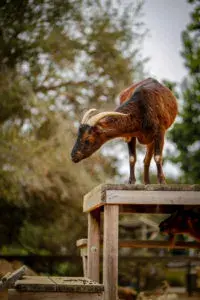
[60, 288]
[110, 200]
[153, 198]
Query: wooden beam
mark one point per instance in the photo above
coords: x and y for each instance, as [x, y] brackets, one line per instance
[158, 244]
[153, 197]
[110, 252]
[92, 269]
[142, 195]
[9, 279]
[147, 244]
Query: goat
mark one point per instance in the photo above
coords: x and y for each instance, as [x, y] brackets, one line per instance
[147, 110]
[182, 222]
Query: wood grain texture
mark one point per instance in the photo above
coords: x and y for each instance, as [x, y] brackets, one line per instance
[158, 244]
[16, 295]
[154, 194]
[82, 245]
[9, 279]
[154, 244]
[93, 245]
[110, 252]
[153, 197]
[57, 284]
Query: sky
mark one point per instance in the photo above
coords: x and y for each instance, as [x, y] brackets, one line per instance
[165, 19]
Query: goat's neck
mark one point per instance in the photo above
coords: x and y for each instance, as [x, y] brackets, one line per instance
[121, 127]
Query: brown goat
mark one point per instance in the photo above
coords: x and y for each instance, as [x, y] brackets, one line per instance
[147, 110]
[182, 222]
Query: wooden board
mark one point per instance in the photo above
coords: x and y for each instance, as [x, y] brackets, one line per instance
[110, 252]
[143, 195]
[57, 284]
[76, 285]
[93, 262]
[151, 244]
[35, 283]
[17, 295]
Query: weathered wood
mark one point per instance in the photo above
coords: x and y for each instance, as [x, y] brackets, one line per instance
[35, 284]
[82, 245]
[58, 284]
[76, 285]
[158, 244]
[113, 199]
[17, 295]
[9, 279]
[155, 194]
[153, 197]
[153, 244]
[93, 245]
[110, 252]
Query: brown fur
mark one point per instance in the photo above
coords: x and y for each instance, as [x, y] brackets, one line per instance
[182, 222]
[150, 108]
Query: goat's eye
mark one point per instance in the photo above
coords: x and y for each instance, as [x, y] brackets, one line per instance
[87, 142]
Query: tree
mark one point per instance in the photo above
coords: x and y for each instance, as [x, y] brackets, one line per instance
[57, 58]
[186, 131]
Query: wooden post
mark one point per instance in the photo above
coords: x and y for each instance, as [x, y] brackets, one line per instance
[110, 252]
[93, 245]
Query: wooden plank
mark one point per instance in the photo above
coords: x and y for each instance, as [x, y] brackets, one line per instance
[154, 244]
[81, 243]
[93, 245]
[110, 252]
[151, 187]
[153, 197]
[76, 285]
[158, 244]
[9, 279]
[98, 196]
[150, 209]
[93, 199]
[17, 295]
[35, 283]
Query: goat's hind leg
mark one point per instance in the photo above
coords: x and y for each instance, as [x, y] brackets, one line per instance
[147, 161]
[158, 148]
[132, 159]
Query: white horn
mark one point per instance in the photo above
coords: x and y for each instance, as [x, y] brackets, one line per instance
[87, 115]
[93, 120]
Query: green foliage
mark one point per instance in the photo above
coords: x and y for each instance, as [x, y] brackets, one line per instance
[57, 58]
[175, 277]
[186, 131]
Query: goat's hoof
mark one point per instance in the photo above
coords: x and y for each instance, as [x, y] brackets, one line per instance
[131, 181]
[163, 181]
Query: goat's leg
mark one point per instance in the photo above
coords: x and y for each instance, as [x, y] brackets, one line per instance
[132, 159]
[147, 161]
[158, 148]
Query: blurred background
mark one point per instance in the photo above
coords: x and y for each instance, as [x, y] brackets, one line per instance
[58, 59]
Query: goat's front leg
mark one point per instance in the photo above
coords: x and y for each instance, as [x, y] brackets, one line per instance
[147, 161]
[158, 148]
[132, 159]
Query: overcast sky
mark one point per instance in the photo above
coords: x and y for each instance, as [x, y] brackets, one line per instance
[165, 19]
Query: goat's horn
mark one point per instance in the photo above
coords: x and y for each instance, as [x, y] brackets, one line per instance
[87, 115]
[93, 120]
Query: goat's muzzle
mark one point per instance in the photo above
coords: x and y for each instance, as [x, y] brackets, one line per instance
[76, 156]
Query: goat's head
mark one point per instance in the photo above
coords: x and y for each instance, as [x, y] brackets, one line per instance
[91, 135]
[182, 221]
[176, 223]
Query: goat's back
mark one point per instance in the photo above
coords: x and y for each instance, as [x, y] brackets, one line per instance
[151, 102]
